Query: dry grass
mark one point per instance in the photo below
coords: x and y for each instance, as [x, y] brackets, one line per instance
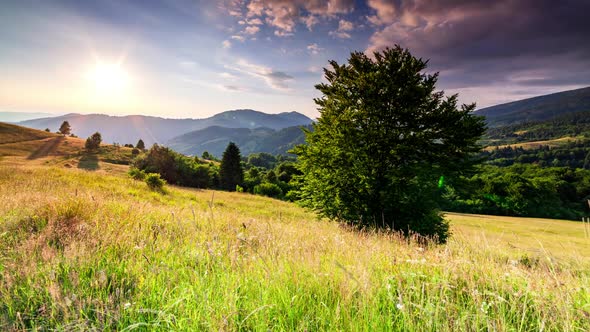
[79, 250]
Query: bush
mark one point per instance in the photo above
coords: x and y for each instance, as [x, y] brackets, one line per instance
[136, 174]
[268, 189]
[154, 181]
[135, 151]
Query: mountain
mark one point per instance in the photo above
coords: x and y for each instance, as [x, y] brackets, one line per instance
[22, 116]
[538, 108]
[129, 129]
[214, 139]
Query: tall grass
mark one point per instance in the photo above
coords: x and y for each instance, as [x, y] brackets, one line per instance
[85, 251]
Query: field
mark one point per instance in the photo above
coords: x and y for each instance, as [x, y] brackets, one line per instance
[534, 144]
[91, 249]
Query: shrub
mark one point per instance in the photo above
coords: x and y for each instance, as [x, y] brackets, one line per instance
[135, 151]
[268, 189]
[136, 174]
[154, 181]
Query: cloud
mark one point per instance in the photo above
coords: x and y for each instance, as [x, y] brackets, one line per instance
[314, 49]
[277, 80]
[477, 42]
[310, 21]
[226, 44]
[384, 12]
[343, 27]
[237, 37]
[284, 15]
[251, 30]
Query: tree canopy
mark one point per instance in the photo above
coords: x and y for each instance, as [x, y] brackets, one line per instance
[230, 171]
[65, 128]
[93, 142]
[383, 141]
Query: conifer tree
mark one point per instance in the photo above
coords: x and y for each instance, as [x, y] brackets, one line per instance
[230, 171]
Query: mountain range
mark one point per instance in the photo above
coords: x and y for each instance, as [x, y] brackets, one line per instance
[215, 139]
[255, 131]
[129, 129]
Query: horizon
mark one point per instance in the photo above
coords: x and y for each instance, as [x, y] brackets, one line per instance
[194, 59]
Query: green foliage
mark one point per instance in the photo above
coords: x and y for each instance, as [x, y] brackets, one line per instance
[93, 142]
[230, 171]
[176, 168]
[572, 154]
[136, 174]
[65, 128]
[135, 151]
[154, 181]
[268, 189]
[522, 190]
[383, 139]
[140, 145]
[262, 159]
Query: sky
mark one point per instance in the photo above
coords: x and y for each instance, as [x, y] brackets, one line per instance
[196, 58]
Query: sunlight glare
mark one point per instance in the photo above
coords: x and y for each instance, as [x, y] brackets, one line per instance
[108, 78]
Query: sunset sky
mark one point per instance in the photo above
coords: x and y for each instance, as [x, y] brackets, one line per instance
[181, 58]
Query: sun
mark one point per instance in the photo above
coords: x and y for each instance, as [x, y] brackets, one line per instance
[108, 78]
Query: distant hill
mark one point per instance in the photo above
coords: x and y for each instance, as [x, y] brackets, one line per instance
[10, 133]
[22, 116]
[538, 108]
[215, 139]
[128, 129]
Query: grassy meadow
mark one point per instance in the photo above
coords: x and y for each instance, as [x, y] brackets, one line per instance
[83, 250]
[84, 247]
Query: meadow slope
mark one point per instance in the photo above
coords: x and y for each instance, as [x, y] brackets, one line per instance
[85, 250]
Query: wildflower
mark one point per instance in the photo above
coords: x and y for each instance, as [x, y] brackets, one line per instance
[399, 306]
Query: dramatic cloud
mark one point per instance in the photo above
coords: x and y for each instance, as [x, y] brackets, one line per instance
[477, 42]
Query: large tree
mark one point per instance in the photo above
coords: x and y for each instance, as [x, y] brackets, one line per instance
[383, 144]
[65, 128]
[230, 170]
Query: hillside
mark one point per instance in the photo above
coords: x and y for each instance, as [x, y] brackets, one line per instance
[21, 146]
[129, 129]
[10, 133]
[538, 108]
[215, 139]
[83, 251]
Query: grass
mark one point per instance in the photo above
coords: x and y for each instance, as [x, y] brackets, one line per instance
[10, 133]
[88, 250]
[534, 144]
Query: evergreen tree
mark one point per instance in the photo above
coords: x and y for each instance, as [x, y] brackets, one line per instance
[65, 128]
[230, 171]
[383, 140]
[140, 145]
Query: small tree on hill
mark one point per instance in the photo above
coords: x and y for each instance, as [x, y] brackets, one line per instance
[65, 128]
[93, 142]
[230, 172]
[383, 140]
[140, 145]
